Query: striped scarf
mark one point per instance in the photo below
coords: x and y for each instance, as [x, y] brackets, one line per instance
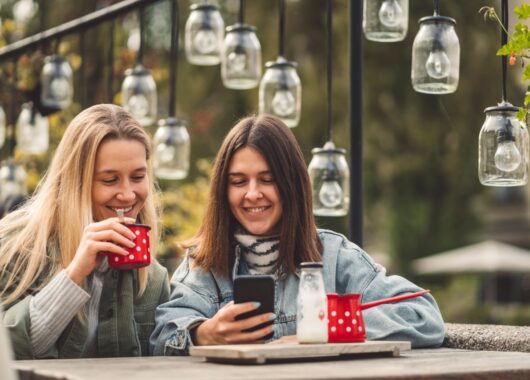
[259, 252]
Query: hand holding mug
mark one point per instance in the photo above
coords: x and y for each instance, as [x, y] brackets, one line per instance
[108, 235]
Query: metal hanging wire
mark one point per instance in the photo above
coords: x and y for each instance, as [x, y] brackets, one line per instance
[141, 22]
[241, 17]
[281, 28]
[173, 60]
[436, 7]
[504, 40]
[329, 67]
[110, 63]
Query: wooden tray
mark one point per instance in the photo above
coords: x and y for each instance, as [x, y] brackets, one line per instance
[261, 353]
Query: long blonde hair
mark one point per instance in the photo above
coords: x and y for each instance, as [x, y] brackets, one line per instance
[45, 232]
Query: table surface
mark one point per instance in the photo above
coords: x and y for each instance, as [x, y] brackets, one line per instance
[441, 363]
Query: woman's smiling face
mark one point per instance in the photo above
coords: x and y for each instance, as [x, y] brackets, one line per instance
[120, 179]
[252, 193]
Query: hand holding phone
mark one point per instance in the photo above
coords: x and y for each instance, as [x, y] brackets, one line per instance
[255, 288]
[241, 321]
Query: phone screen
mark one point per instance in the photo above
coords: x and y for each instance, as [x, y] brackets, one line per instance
[255, 288]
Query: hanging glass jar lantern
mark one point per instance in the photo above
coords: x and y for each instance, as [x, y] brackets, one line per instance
[241, 58]
[139, 96]
[330, 175]
[386, 20]
[2, 127]
[57, 84]
[32, 131]
[12, 180]
[280, 92]
[171, 158]
[436, 56]
[503, 148]
[24, 10]
[204, 35]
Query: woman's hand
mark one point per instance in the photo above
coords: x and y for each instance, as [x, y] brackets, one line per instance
[109, 235]
[224, 329]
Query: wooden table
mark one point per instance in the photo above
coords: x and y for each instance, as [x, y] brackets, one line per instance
[442, 363]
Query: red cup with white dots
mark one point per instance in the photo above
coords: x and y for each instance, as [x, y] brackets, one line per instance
[139, 256]
[345, 319]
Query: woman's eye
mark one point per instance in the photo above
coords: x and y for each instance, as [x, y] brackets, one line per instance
[237, 182]
[108, 181]
[138, 177]
[268, 180]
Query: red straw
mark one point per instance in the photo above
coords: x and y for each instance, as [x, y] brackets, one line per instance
[402, 297]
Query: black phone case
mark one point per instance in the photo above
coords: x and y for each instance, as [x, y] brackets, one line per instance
[255, 288]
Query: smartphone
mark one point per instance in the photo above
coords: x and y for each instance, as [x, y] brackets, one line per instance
[255, 288]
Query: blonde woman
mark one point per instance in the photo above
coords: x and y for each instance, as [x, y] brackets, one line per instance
[60, 298]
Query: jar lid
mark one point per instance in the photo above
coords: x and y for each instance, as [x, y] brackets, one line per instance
[440, 19]
[138, 70]
[311, 264]
[329, 147]
[281, 62]
[54, 58]
[503, 106]
[172, 122]
[204, 6]
[240, 28]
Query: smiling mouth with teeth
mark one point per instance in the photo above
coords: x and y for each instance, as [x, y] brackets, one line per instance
[124, 210]
[256, 209]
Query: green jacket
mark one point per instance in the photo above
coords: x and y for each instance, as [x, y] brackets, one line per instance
[125, 320]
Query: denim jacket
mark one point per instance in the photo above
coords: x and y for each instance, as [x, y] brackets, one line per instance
[197, 295]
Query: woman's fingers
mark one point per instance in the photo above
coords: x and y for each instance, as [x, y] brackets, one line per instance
[112, 236]
[112, 224]
[249, 323]
[257, 336]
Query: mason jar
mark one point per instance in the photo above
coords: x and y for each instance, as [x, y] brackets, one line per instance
[171, 156]
[12, 180]
[503, 148]
[311, 305]
[139, 96]
[57, 84]
[436, 56]
[280, 91]
[32, 131]
[330, 180]
[241, 58]
[385, 20]
[204, 35]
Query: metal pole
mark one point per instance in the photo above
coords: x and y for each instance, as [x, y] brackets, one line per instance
[355, 111]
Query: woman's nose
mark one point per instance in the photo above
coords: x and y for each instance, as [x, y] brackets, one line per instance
[253, 192]
[126, 193]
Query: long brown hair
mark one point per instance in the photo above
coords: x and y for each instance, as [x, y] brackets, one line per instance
[45, 232]
[298, 235]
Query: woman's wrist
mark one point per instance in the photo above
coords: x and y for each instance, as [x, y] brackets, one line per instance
[198, 336]
[74, 275]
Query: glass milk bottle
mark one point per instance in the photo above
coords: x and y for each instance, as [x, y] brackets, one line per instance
[312, 309]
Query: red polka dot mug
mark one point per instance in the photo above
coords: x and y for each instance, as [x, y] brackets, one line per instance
[345, 318]
[139, 256]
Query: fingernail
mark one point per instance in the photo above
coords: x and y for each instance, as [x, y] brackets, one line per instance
[131, 244]
[272, 317]
[256, 304]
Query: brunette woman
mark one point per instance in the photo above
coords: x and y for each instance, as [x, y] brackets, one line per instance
[259, 220]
